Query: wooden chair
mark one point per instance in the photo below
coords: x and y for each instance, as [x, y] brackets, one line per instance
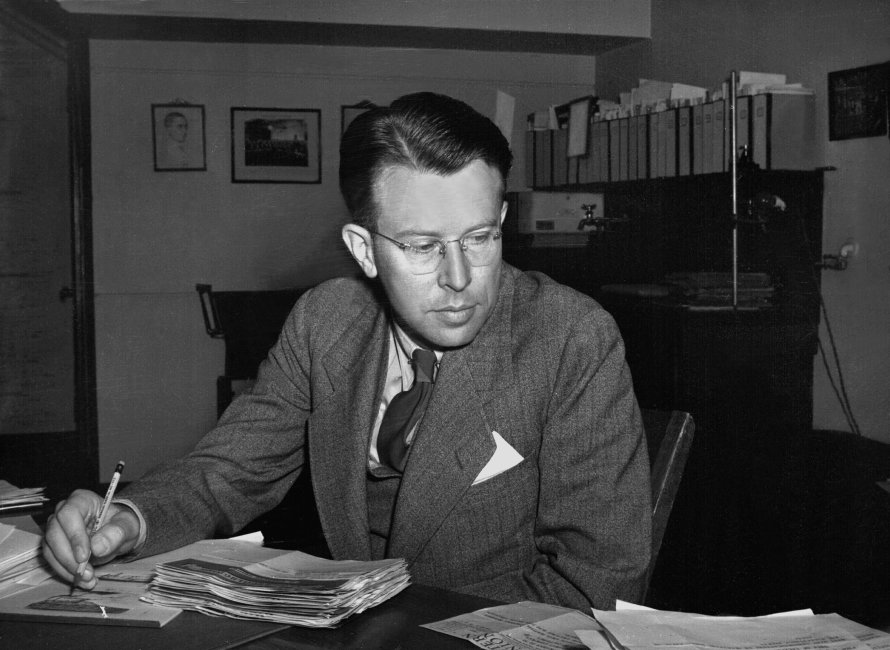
[669, 438]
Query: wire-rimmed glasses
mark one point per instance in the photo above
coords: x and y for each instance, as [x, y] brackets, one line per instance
[424, 254]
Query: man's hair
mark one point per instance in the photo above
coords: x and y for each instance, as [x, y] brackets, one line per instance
[424, 132]
[169, 117]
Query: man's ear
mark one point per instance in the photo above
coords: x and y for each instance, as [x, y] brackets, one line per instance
[358, 241]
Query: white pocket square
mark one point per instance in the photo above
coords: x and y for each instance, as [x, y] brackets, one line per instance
[503, 458]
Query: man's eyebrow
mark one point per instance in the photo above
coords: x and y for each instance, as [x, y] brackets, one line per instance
[436, 235]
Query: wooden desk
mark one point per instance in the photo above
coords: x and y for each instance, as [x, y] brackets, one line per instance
[393, 624]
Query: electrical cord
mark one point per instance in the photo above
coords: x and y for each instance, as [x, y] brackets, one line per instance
[839, 388]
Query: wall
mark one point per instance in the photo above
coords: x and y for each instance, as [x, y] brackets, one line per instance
[700, 42]
[157, 234]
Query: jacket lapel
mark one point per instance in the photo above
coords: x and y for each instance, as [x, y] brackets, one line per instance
[338, 432]
[454, 441]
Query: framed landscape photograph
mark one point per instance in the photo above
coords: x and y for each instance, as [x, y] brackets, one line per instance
[276, 145]
[178, 137]
[857, 102]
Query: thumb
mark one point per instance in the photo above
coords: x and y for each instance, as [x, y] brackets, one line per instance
[117, 536]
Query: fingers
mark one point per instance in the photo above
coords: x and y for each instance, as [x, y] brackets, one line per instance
[66, 541]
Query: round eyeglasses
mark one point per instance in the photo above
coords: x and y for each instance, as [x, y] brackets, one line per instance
[424, 254]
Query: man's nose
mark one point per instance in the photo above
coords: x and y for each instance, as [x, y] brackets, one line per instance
[454, 270]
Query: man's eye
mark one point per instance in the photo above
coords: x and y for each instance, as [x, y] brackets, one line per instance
[425, 247]
[477, 239]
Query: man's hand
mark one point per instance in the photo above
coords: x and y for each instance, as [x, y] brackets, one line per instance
[67, 540]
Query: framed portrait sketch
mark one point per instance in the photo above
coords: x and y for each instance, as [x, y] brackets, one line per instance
[178, 137]
[857, 102]
[276, 145]
[349, 113]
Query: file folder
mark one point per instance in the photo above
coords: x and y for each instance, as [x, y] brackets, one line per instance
[642, 146]
[670, 118]
[684, 141]
[743, 125]
[560, 156]
[697, 143]
[654, 121]
[708, 138]
[720, 137]
[623, 145]
[530, 158]
[632, 147]
[614, 149]
[782, 131]
[603, 151]
[543, 160]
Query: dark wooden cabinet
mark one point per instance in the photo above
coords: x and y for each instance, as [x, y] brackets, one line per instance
[746, 376]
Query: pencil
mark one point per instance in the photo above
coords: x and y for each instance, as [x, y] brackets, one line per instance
[97, 524]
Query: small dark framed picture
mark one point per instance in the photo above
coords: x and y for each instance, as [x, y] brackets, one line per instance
[857, 102]
[178, 137]
[349, 113]
[276, 145]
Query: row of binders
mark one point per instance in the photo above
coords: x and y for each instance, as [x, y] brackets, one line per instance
[774, 130]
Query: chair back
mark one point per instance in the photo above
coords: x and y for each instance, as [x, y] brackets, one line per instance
[668, 438]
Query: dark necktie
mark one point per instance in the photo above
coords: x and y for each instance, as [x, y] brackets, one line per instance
[404, 411]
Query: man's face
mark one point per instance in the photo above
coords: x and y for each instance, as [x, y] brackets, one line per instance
[178, 129]
[445, 308]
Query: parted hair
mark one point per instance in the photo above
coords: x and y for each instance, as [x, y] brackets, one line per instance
[425, 132]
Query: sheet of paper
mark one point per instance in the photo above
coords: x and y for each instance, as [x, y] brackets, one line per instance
[525, 625]
[505, 106]
[653, 629]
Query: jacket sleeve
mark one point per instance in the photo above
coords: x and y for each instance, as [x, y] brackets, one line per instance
[245, 465]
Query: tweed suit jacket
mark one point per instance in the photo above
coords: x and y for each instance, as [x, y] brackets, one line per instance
[569, 524]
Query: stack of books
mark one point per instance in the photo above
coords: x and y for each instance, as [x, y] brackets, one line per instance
[293, 588]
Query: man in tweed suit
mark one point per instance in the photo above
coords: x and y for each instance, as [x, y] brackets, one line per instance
[527, 475]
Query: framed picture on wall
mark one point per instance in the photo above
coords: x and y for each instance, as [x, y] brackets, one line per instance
[276, 145]
[857, 102]
[178, 137]
[349, 113]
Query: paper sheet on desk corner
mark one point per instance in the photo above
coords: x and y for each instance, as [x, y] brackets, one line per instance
[635, 630]
[525, 625]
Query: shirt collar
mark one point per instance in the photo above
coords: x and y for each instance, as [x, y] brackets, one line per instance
[404, 347]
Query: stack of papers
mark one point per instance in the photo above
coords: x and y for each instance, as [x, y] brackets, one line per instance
[20, 563]
[13, 498]
[117, 598]
[293, 588]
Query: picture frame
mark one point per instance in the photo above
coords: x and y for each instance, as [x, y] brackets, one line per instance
[352, 111]
[276, 145]
[579, 121]
[857, 102]
[178, 139]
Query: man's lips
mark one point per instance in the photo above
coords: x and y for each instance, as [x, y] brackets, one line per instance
[457, 314]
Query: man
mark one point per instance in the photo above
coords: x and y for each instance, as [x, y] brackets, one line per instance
[526, 476]
[174, 154]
